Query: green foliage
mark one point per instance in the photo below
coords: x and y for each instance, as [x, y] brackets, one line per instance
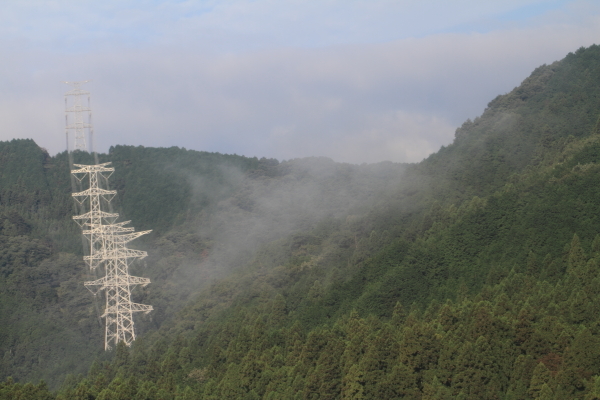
[471, 275]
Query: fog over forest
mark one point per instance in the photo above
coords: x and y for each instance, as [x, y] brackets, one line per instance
[357, 200]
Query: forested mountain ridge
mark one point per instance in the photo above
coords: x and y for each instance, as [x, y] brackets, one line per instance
[47, 321]
[208, 211]
[473, 274]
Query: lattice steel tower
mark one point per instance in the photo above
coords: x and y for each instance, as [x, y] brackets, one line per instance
[107, 247]
[81, 117]
[106, 244]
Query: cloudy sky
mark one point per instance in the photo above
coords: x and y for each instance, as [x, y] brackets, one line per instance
[354, 80]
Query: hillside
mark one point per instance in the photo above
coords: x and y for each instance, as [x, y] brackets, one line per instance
[473, 274]
[208, 212]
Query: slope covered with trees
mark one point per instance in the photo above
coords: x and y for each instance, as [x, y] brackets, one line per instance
[473, 274]
[208, 212]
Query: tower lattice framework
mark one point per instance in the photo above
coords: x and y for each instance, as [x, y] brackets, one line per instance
[75, 106]
[107, 249]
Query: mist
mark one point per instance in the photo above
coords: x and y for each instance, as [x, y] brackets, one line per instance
[266, 206]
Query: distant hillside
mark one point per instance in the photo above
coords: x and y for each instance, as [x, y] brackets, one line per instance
[209, 212]
[470, 275]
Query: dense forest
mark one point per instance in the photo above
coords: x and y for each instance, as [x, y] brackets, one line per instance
[474, 274]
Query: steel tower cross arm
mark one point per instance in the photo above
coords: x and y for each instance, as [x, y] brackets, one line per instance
[85, 169]
[100, 214]
[76, 86]
[94, 191]
[128, 237]
[105, 282]
[78, 108]
[76, 92]
[105, 255]
[135, 307]
[107, 229]
[76, 125]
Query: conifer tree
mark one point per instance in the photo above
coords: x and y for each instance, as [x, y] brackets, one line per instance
[593, 389]
[353, 383]
[576, 257]
[541, 377]
[436, 391]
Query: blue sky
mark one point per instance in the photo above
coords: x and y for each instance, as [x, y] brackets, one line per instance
[356, 81]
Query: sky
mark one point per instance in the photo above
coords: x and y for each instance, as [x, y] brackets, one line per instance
[358, 81]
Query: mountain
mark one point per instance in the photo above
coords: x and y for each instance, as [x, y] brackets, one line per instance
[472, 275]
[208, 212]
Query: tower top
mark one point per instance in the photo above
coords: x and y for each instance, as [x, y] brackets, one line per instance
[77, 87]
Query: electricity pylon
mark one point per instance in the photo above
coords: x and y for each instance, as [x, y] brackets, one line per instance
[107, 247]
[79, 111]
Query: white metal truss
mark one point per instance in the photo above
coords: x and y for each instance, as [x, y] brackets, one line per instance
[80, 113]
[107, 247]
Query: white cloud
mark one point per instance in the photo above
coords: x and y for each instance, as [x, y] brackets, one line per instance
[242, 25]
[394, 100]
